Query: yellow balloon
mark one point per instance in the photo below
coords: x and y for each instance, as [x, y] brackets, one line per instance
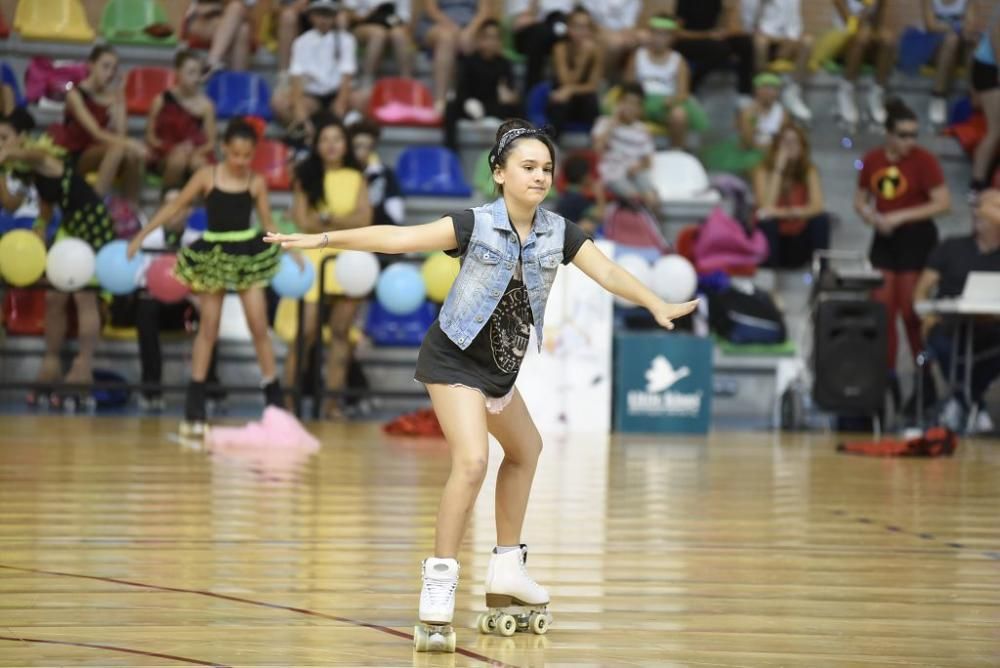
[22, 257]
[439, 272]
[286, 324]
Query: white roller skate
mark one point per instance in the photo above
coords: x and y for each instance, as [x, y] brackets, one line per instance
[847, 108]
[515, 601]
[876, 104]
[938, 111]
[791, 97]
[437, 606]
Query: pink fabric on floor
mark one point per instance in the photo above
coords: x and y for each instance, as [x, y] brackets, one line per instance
[277, 429]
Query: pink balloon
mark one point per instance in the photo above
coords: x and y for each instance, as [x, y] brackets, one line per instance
[162, 283]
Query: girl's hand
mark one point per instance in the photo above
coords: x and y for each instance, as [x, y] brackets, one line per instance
[295, 240]
[666, 313]
[133, 247]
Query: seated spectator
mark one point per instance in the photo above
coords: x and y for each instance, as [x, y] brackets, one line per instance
[620, 30]
[318, 84]
[377, 22]
[868, 38]
[384, 193]
[665, 79]
[330, 194]
[626, 150]
[180, 130]
[95, 124]
[485, 86]
[290, 21]
[537, 26]
[226, 25]
[776, 26]
[447, 28]
[986, 83]
[578, 64]
[574, 203]
[757, 123]
[947, 270]
[789, 198]
[947, 38]
[711, 38]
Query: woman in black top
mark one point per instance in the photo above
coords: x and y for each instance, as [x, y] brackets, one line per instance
[711, 38]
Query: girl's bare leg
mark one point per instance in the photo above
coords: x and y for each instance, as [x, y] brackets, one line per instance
[522, 444]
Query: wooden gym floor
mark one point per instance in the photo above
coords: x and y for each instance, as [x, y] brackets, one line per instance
[118, 546]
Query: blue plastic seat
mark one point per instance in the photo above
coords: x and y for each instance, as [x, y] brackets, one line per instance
[431, 171]
[240, 94]
[386, 329]
[8, 77]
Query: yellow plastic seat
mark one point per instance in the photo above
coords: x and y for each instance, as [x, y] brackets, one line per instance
[55, 20]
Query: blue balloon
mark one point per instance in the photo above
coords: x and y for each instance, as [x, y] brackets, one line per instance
[290, 281]
[400, 289]
[116, 273]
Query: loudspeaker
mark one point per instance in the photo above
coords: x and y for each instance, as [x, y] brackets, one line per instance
[850, 356]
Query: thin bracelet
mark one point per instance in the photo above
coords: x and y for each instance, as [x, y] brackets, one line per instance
[326, 240]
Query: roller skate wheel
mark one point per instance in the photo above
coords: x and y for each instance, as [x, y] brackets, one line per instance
[486, 623]
[433, 640]
[506, 625]
[538, 623]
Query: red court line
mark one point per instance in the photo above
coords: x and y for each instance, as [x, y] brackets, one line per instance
[112, 648]
[263, 604]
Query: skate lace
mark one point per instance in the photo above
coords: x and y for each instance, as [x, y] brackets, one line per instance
[523, 563]
[440, 590]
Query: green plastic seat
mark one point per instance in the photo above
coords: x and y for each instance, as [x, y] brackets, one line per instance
[127, 21]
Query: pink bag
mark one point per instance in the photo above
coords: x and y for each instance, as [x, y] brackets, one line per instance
[723, 245]
[43, 78]
[633, 227]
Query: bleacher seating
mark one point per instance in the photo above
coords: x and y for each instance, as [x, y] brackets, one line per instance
[143, 84]
[428, 171]
[54, 20]
[136, 22]
[272, 160]
[401, 101]
[239, 94]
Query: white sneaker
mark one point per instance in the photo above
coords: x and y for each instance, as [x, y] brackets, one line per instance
[938, 110]
[982, 423]
[876, 104]
[847, 108]
[437, 596]
[508, 583]
[792, 99]
[953, 415]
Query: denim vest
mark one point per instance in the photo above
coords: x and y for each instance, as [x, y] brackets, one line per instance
[489, 263]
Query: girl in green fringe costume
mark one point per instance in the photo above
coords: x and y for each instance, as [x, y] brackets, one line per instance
[230, 256]
[41, 163]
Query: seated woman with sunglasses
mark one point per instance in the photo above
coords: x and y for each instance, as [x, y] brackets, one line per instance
[900, 191]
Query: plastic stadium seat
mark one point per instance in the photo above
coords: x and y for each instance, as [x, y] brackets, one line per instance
[272, 159]
[4, 28]
[24, 311]
[536, 108]
[133, 21]
[54, 20]
[239, 94]
[401, 101]
[431, 171]
[678, 175]
[386, 329]
[143, 84]
[9, 77]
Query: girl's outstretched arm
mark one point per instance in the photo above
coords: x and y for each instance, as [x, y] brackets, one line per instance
[436, 236]
[616, 280]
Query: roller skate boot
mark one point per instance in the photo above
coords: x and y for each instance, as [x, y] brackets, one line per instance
[193, 427]
[434, 633]
[515, 601]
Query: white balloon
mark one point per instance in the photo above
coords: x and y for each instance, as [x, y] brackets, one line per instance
[70, 264]
[674, 278]
[357, 272]
[638, 267]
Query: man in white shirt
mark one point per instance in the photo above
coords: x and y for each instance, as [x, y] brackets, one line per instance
[776, 26]
[322, 68]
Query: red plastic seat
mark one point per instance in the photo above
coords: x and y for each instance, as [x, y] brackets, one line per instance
[24, 311]
[402, 101]
[143, 84]
[272, 160]
[4, 28]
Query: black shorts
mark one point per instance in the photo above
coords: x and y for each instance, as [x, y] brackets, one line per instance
[906, 249]
[984, 76]
[325, 100]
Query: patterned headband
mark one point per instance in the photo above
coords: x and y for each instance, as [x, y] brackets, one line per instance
[510, 136]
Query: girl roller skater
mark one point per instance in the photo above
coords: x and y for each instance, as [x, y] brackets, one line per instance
[229, 256]
[470, 357]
